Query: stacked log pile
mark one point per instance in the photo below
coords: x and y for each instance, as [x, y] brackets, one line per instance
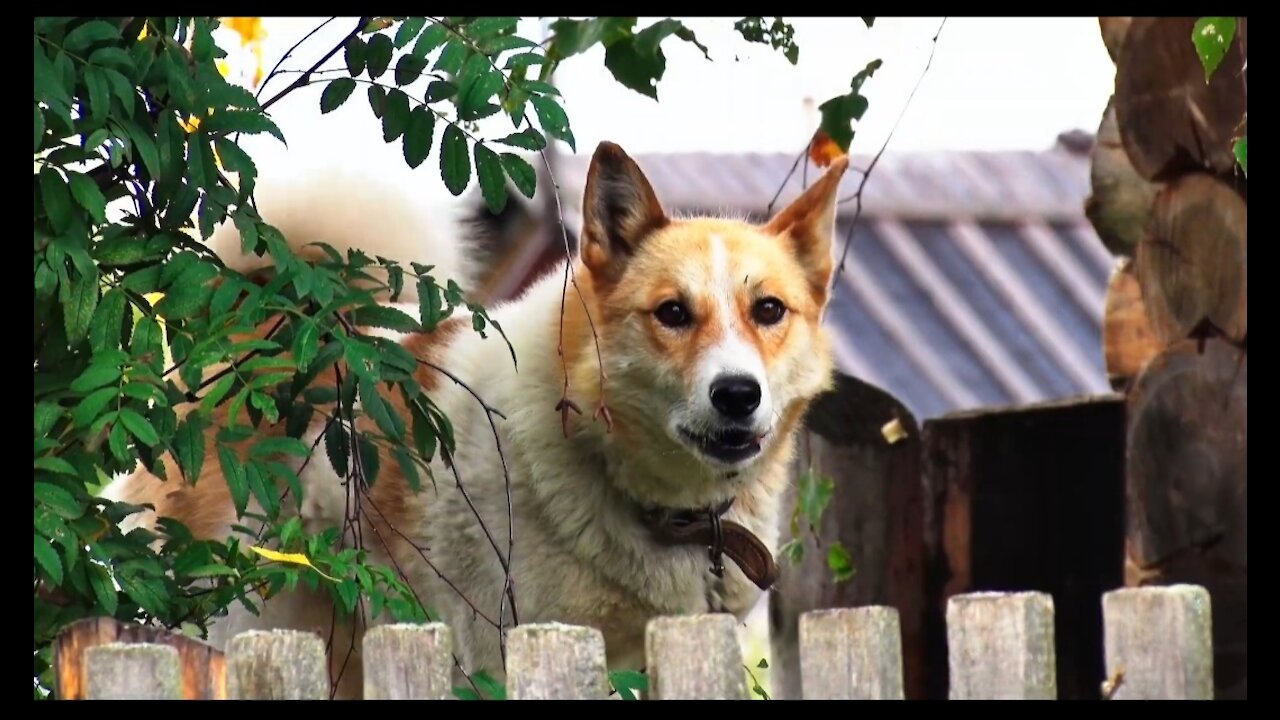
[1170, 201]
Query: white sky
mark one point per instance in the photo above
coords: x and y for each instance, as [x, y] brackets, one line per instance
[995, 84]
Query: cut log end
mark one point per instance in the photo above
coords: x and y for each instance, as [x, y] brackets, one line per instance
[1119, 206]
[1171, 120]
[1113, 33]
[1128, 343]
[1193, 262]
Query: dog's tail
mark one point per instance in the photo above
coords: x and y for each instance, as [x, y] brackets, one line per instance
[347, 209]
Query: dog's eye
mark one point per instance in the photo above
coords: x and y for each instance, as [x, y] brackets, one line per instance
[672, 314]
[768, 311]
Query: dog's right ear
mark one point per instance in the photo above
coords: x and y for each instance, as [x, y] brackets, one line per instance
[619, 210]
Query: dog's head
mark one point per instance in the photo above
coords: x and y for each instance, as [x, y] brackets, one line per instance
[712, 327]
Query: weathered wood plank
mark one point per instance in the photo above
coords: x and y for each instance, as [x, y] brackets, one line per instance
[1001, 646]
[408, 662]
[1160, 643]
[277, 665]
[556, 662]
[851, 654]
[137, 671]
[695, 657]
[876, 513]
[203, 667]
[1028, 498]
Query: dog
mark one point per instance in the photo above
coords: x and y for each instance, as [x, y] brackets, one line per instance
[646, 432]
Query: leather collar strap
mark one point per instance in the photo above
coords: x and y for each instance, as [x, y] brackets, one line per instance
[721, 537]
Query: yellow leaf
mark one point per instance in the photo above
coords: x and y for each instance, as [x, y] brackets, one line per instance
[224, 67]
[250, 29]
[144, 31]
[893, 431]
[291, 558]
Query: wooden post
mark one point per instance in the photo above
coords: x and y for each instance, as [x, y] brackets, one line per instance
[408, 662]
[556, 662]
[695, 657]
[868, 443]
[203, 667]
[277, 665]
[142, 671]
[851, 654]
[1159, 643]
[1001, 646]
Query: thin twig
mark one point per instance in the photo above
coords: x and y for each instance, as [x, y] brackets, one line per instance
[571, 276]
[304, 77]
[866, 175]
[289, 53]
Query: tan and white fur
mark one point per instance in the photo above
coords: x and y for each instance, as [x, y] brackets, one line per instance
[581, 556]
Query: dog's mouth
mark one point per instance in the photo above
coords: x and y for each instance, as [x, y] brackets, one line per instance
[727, 445]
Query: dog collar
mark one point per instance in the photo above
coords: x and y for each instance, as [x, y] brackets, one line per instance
[707, 527]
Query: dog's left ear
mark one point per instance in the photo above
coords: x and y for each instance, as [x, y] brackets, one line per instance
[620, 210]
[809, 224]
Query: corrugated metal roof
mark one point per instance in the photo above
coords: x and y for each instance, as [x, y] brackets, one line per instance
[973, 279]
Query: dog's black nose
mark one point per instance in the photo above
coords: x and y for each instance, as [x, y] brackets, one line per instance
[735, 396]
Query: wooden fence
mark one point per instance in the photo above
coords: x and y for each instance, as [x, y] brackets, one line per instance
[1000, 646]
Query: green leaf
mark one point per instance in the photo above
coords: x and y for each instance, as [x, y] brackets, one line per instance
[840, 112]
[629, 683]
[553, 119]
[493, 181]
[338, 447]
[48, 560]
[377, 100]
[375, 407]
[488, 685]
[452, 57]
[424, 433]
[56, 198]
[212, 570]
[103, 590]
[1212, 37]
[273, 446]
[91, 407]
[139, 426]
[95, 376]
[379, 56]
[114, 57]
[575, 36]
[793, 550]
[869, 21]
[355, 53]
[145, 145]
[335, 94]
[431, 39]
[763, 664]
[408, 30]
[188, 446]
[46, 415]
[86, 192]
[439, 90]
[55, 465]
[455, 163]
[839, 561]
[395, 115]
[236, 477]
[95, 81]
[78, 304]
[638, 61]
[39, 126]
[409, 69]
[418, 136]
[369, 462]
[815, 494]
[58, 500]
[249, 122]
[306, 344]
[94, 31]
[528, 139]
[407, 467]
[521, 173]
[385, 317]
[1241, 149]
[104, 332]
